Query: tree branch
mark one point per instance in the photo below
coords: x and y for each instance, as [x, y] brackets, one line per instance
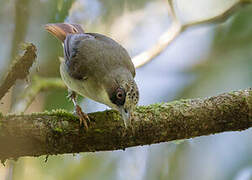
[19, 69]
[219, 18]
[167, 38]
[58, 132]
[177, 28]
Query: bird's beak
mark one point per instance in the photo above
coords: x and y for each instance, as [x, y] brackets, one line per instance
[126, 115]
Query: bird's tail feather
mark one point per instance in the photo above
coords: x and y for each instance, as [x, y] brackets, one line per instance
[61, 30]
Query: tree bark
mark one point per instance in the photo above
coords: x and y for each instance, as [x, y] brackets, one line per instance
[58, 132]
[19, 68]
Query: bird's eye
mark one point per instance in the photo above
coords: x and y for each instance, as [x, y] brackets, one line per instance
[118, 97]
[119, 94]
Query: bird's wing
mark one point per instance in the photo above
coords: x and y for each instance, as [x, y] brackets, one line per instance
[115, 52]
[74, 60]
[90, 53]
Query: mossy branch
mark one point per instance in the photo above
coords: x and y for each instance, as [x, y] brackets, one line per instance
[58, 132]
[19, 68]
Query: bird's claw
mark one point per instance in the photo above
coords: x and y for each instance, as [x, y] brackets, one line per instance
[82, 116]
[71, 96]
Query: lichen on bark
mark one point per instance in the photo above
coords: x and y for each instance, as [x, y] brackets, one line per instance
[58, 132]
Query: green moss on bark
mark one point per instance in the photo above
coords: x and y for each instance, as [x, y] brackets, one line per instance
[58, 131]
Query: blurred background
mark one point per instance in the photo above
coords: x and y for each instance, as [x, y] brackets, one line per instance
[203, 61]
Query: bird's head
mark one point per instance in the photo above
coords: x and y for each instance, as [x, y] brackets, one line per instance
[125, 98]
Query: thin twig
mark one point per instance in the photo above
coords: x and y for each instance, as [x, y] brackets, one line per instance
[177, 28]
[171, 10]
[222, 17]
[166, 39]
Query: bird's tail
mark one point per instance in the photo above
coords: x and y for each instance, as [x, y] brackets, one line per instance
[61, 30]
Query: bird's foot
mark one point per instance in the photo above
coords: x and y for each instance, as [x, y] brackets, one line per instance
[82, 116]
[78, 111]
[72, 96]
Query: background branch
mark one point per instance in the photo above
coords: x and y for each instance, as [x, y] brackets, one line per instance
[167, 38]
[19, 69]
[37, 85]
[177, 28]
[58, 132]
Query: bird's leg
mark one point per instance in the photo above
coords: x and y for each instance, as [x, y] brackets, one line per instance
[82, 116]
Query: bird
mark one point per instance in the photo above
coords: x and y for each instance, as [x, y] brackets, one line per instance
[97, 67]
